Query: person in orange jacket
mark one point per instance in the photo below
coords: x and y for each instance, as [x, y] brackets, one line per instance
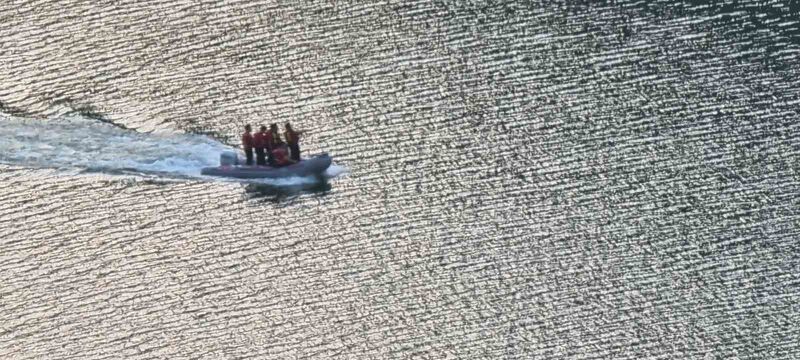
[273, 140]
[293, 140]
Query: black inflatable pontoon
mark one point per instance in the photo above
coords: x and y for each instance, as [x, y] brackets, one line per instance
[313, 166]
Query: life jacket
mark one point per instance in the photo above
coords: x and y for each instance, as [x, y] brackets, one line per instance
[247, 141]
[258, 140]
[276, 138]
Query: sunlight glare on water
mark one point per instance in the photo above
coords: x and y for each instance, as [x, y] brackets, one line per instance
[511, 180]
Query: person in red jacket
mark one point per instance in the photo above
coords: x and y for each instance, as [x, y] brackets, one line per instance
[247, 144]
[260, 143]
[280, 156]
[292, 139]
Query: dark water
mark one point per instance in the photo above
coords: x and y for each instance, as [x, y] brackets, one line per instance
[572, 180]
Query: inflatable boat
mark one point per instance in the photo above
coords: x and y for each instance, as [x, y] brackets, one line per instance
[230, 167]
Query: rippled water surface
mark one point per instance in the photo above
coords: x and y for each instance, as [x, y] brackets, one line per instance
[548, 180]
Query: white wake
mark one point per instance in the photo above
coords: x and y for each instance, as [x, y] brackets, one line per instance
[75, 142]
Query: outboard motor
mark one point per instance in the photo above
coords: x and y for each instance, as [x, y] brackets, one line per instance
[228, 158]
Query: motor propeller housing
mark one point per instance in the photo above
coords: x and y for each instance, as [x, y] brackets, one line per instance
[228, 158]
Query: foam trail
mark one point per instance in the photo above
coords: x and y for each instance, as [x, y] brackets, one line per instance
[288, 181]
[75, 142]
[335, 171]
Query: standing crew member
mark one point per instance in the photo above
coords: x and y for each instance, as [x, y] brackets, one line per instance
[259, 143]
[273, 140]
[247, 144]
[293, 138]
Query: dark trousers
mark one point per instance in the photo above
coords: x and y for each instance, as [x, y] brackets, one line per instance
[294, 151]
[260, 157]
[249, 154]
[270, 158]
